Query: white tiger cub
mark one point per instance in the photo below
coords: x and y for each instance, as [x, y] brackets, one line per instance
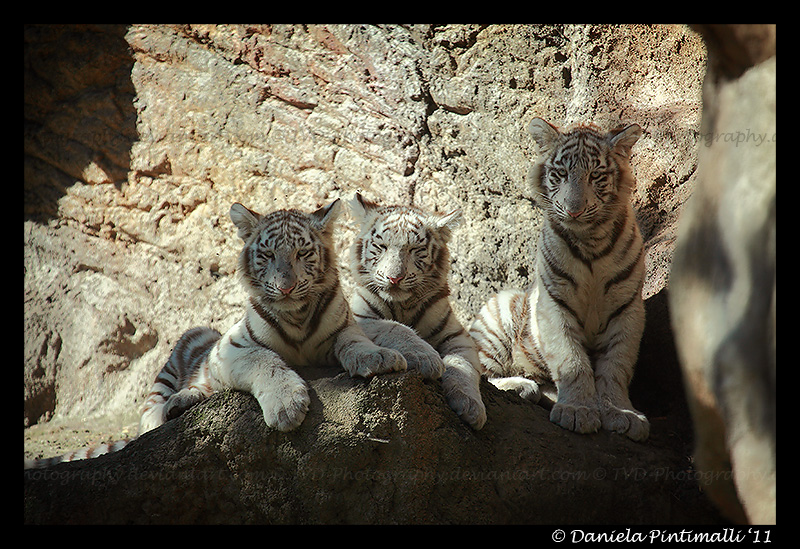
[296, 315]
[400, 262]
[581, 322]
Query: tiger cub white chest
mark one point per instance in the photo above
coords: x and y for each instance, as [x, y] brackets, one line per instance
[594, 289]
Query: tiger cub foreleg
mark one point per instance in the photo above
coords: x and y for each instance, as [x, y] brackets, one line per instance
[614, 365]
[461, 379]
[360, 355]
[563, 346]
[279, 390]
[418, 353]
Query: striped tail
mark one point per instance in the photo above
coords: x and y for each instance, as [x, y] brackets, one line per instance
[75, 455]
[186, 370]
[185, 373]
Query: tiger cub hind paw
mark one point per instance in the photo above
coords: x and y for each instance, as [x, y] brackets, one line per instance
[524, 387]
[181, 401]
[578, 418]
[629, 422]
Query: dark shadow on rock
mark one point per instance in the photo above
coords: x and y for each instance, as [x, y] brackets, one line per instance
[383, 451]
[657, 387]
[79, 119]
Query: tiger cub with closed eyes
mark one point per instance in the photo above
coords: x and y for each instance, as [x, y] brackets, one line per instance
[400, 262]
[580, 324]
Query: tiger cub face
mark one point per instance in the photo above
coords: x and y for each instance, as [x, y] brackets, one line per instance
[583, 176]
[401, 252]
[286, 259]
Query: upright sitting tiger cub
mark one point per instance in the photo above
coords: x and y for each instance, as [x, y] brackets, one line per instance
[581, 322]
[400, 262]
[296, 315]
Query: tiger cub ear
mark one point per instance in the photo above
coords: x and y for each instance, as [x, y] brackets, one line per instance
[449, 220]
[360, 207]
[544, 133]
[324, 218]
[444, 223]
[244, 219]
[622, 140]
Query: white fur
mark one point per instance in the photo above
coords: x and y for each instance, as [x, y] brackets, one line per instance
[587, 295]
[400, 263]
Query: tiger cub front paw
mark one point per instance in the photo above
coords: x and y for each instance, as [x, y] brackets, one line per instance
[575, 417]
[373, 360]
[467, 404]
[424, 358]
[625, 421]
[461, 385]
[285, 402]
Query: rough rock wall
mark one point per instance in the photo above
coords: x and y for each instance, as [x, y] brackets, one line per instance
[138, 139]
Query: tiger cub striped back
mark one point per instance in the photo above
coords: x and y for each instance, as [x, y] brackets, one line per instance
[400, 262]
[296, 315]
[580, 324]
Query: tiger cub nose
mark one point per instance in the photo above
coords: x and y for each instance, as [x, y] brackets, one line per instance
[395, 281]
[287, 291]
